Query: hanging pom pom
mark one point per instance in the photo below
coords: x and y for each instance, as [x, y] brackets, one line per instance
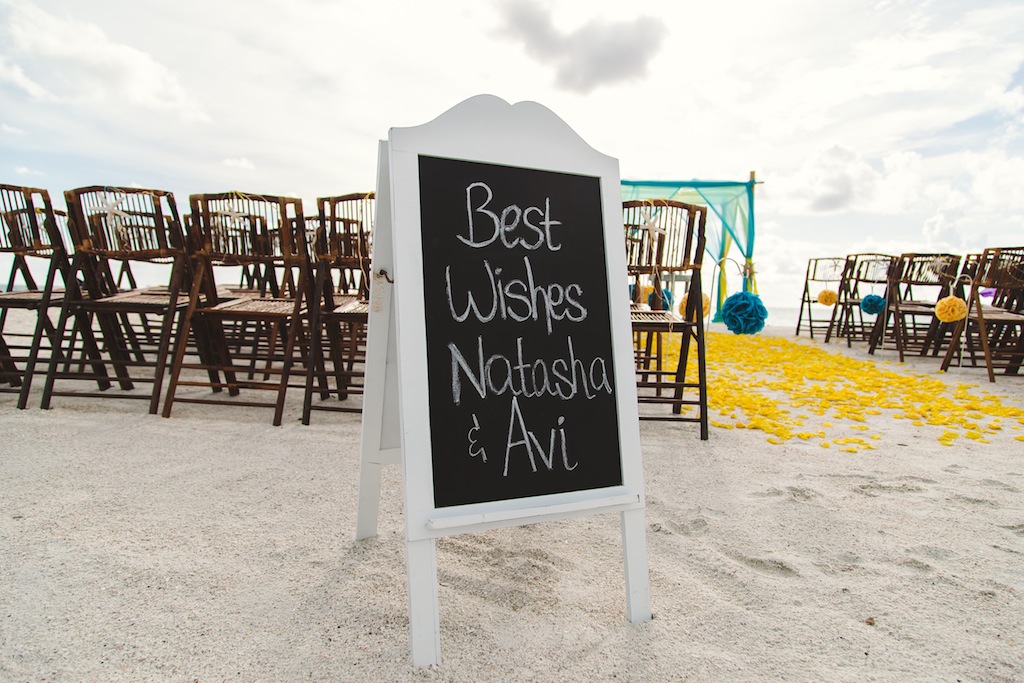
[705, 305]
[872, 304]
[667, 298]
[950, 309]
[828, 297]
[744, 313]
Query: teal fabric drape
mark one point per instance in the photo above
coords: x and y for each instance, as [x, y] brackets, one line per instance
[732, 202]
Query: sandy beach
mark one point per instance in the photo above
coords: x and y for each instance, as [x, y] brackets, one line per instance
[213, 546]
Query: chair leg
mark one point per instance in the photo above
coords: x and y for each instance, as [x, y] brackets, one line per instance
[334, 347]
[8, 368]
[55, 355]
[702, 380]
[161, 360]
[42, 326]
[272, 334]
[314, 371]
[293, 333]
[315, 363]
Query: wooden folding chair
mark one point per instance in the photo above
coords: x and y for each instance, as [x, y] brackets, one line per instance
[254, 337]
[665, 243]
[916, 282]
[338, 309]
[863, 274]
[821, 274]
[998, 329]
[32, 232]
[111, 226]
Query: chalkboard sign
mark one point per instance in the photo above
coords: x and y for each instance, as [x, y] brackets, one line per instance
[499, 363]
[521, 388]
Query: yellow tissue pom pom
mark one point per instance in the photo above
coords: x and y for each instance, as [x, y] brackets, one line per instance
[705, 303]
[828, 297]
[950, 309]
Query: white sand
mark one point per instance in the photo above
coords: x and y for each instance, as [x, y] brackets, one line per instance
[213, 546]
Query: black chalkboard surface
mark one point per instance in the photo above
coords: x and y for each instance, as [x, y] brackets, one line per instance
[518, 334]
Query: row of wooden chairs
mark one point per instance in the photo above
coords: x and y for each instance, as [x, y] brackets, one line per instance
[990, 334]
[301, 282]
[256, 298]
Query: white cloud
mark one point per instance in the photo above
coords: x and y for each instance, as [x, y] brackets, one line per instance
[997, 179]
[15, 75]
[598, 53]
[11, 130]
[239, 162]
[24, 170]
[1009, 102]
[78, 60]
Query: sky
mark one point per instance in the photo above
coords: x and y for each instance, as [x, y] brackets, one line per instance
[893, 126]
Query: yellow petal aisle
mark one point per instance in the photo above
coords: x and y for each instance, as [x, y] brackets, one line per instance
[797, 390]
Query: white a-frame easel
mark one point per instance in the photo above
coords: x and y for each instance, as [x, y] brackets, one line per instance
[525, 138]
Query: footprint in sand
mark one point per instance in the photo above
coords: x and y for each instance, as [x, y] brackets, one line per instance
[877, 488]
[972, 501]
[795, 492]
[933, 552]
[765, 565]
[698, 526]
[995, 483]
[914, 563]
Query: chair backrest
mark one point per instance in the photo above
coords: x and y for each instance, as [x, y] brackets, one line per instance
[125, 223]
[934, 272]
[344, 237]
[825, 270]
[873, 268]
[660, 235]
[1002, 269]
[665, 240]
[928, 269]
[238, 229]
[121, 225]
[30, 228]
[865, 269]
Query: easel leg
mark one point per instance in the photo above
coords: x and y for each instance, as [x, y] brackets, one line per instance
[369, 500]
[634, 551]
[424, 628]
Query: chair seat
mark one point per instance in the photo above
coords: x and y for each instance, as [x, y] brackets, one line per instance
[658, 321]
[354, 308]
[915, 308]
[142, 297]
[28, 298]
[255, 306]
[998, 315]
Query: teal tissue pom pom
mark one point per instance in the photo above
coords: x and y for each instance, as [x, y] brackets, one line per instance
[872, 304]
[743, 313]
[667, 299]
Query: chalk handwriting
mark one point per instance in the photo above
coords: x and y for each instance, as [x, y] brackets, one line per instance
[475, 448]
[528, 440]
[564, 378]
[516, 298]
[514, 226]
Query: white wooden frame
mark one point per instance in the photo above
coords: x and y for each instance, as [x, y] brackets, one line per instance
[482, 129]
